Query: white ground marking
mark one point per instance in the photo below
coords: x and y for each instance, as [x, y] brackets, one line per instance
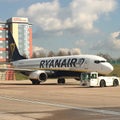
[62, 106]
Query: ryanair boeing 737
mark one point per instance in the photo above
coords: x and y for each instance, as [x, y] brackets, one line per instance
[40, 69]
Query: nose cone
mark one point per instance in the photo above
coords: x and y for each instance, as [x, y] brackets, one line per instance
[108, 68]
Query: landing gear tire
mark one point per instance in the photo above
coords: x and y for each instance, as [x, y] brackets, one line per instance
[61, 81]
[115, 83]
[102, 83]
[35, 82]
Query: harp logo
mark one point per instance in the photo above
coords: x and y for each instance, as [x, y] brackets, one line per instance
[12, 48]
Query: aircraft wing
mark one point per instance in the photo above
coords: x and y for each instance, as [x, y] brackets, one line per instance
[16, 69]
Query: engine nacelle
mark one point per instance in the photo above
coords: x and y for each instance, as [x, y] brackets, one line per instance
[38, 75]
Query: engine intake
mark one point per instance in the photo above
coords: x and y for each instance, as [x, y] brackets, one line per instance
[43, 76]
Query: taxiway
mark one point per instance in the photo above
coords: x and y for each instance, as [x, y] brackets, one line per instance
[19, 100]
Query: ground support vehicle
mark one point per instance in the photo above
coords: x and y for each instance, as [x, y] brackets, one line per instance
[92, 79]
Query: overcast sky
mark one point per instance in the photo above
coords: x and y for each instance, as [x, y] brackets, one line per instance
[92, 26]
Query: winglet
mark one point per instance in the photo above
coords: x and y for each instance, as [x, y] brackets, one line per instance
[13, 50]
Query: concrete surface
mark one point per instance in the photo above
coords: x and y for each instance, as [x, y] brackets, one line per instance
[19, 100]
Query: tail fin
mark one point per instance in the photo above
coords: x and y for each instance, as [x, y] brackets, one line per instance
[13, 50]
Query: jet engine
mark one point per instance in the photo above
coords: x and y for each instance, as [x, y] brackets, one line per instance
[38, 75]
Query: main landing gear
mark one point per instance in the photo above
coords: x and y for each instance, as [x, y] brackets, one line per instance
[61, 81]
[35, 82]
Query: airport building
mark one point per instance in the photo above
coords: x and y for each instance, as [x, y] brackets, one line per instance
[21, 30]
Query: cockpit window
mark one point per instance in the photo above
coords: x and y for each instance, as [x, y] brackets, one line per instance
[103, 61]
[99, 61]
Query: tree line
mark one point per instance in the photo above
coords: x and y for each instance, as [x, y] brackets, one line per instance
[64, 52]
[61, 52]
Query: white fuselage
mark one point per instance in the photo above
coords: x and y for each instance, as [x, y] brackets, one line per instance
[79, 63]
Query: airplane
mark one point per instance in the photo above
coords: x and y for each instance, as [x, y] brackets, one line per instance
[60, 67]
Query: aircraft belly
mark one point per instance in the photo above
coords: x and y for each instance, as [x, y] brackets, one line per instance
[58, 74]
